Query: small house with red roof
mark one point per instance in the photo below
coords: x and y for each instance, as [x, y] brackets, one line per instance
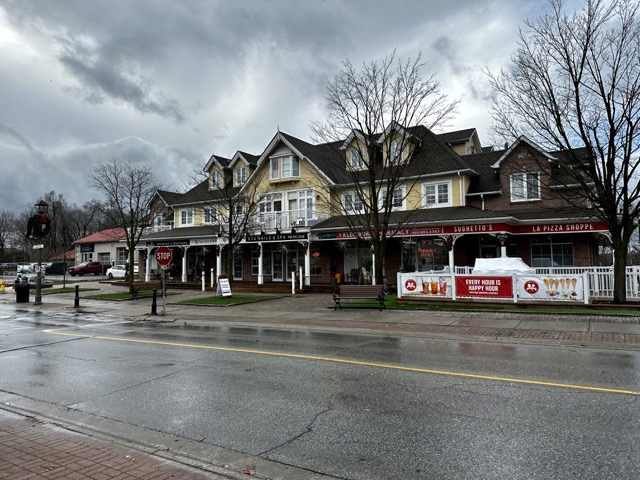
[108, 247]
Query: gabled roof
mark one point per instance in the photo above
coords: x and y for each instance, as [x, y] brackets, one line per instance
[522, 139]
[167, 197]
[109, 235]
[216, 160]
[395, 127]
[459, 136]
[354, 134]
[245, 157]
[200, 194]
[488, 179]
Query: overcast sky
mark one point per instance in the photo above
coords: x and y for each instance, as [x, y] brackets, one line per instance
[169, 83]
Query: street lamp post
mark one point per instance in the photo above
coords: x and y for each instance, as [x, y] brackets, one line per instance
[40, 230]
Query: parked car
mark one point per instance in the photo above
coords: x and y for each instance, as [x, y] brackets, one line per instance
[25, 268]
[117, 271]
[56, 268]
[87, 268]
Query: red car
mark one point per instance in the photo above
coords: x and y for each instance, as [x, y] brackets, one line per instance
[87, 268]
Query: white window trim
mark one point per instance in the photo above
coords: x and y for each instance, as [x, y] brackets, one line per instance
[280, 162]
[356, 200]
[525, 186]
[186, 211]
[449, 203]
[383, 194]
[215, 179]
[241, 176]
[359, 165]
[214, 215]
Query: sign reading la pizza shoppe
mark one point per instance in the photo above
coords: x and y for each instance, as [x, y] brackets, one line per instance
[477, 286]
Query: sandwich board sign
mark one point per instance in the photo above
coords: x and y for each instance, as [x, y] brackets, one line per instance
[224, 288]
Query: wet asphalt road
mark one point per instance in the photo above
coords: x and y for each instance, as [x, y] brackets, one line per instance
[288, 396]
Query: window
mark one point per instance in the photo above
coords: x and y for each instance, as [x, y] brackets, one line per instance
[551, 251]
[241, 176]
[157, 219]
[525, 187]
[436, 194]
[397, 198]
[300, 205]
[215, 179]
[186, 216]
[209, 214]
[356, 161]
[395, 151]
[352, 203]
[285, 167]
[104, 258]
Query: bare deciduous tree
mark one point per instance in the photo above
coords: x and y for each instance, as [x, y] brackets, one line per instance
[575, 86]
[128, 190]
[363, 104]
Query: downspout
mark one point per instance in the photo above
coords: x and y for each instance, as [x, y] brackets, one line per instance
[482, 198]
[461, 182]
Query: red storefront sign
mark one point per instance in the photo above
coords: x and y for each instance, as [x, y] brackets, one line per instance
[478, 286]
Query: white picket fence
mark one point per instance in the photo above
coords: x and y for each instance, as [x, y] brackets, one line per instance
[600, 279]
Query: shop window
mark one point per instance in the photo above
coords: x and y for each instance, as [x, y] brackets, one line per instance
[316, 263]
[551, 251]
[237, 265]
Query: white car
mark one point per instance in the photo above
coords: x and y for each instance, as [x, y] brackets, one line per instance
[117, 271]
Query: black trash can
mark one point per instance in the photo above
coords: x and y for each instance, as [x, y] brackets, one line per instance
[22, 292]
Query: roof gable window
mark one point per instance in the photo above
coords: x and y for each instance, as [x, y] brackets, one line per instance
[240, 176]
[283, 167]
[215, 180]
[356, 162]
[395, 151]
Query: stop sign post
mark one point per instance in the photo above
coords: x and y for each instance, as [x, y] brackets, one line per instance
[164, 255]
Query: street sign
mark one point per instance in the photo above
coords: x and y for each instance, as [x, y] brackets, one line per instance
[164, 256]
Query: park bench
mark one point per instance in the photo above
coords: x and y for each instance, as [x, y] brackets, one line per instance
[146, 287]
[360, 292]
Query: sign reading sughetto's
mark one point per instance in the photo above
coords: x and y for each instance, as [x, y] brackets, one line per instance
[493, 228]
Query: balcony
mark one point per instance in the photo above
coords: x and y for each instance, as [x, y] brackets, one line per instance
[290, 219]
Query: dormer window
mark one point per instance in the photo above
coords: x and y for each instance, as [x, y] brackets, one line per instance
[241, 176]
[356, 162]
[215, 179]
[395, 151]
[287, 166]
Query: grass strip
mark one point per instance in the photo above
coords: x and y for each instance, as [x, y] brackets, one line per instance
[227, 301]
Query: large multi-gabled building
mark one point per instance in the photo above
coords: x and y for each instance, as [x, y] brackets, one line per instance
[456, 201]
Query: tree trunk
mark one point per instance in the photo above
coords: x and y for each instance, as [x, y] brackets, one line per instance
[619, 269]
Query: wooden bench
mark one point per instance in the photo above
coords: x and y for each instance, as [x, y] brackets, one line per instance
[146, 287]
[360, 292]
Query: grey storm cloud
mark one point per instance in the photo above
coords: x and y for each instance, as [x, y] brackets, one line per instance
[170, 82]
[99, 79]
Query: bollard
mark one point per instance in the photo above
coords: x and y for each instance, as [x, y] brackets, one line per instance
[76, 301]
[154, 305]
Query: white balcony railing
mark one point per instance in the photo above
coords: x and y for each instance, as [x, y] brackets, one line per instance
[289, 219]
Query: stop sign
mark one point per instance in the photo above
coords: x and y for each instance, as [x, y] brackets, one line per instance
[164, 256]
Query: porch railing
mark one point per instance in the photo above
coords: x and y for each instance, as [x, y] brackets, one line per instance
[600, 278]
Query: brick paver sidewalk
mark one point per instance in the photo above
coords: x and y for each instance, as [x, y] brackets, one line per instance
[31, 450]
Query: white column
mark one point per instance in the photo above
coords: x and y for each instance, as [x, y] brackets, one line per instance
[260, 273]
[503, 251]
[147, 265]
[218, 263]
[373, 269]
[184, 265]
[211, 278]
[307, 265]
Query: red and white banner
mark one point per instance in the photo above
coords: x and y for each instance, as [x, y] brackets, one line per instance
[479, 286]
[553, 287]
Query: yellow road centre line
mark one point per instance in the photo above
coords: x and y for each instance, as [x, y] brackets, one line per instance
[351, 362]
